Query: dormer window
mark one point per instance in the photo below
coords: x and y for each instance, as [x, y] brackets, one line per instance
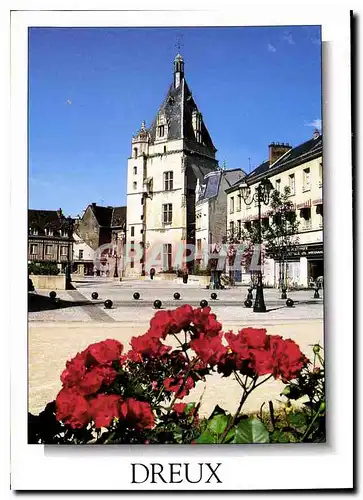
[34, 232]
[161, 126]
[161, 130]
[48, 232]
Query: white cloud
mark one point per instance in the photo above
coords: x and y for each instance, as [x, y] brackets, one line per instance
[287, 37]
[271, 48]
[315, 123]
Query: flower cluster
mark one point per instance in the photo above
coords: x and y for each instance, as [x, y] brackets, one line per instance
[83, 399]
[254, 353]
[137, 391]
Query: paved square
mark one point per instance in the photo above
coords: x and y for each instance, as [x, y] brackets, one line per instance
[68, 326]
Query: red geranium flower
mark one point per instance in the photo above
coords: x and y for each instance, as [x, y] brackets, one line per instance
[179, 385]
[182, 317]
[159, 324]
[209, 349]
[104, 408]
[72, 408]
[206, 322]
[137, 414]
[74, 371]
[179, 408]
[149, 346]
[94, 378]
[262, 361]
[288, 358]
[106, 351]
[238, 346]
[255, 338]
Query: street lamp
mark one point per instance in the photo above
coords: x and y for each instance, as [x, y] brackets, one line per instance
[261, 195]
[69, 228]
[115, 274]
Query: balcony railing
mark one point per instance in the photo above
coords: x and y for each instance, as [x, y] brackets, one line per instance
[306, 187]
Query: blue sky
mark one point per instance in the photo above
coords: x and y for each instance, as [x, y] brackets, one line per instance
[90, 88]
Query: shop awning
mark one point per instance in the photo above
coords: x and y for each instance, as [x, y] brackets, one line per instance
[306, 204]
[318, 202]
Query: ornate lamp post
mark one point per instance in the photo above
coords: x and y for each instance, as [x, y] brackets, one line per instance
[69, 226]
[261, 195]
[115, 274]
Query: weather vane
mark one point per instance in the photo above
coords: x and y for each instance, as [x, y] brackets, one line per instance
[179, 42]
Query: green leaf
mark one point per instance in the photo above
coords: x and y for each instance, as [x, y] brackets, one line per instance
[297, 419]
[279, 437]
[230, 435]
[251, 430]
[218, 424]
[206, 438]
[189, 407]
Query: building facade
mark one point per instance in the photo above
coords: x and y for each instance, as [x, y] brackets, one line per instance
[301, 169]
[98, 236]
[50, 237]
[167, 160]
[211, 211]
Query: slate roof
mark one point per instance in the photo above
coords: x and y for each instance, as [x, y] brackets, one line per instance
[46, 219]
[118, 218]
[102, 214]
[211, 184]
[177, 107]
[300, 154]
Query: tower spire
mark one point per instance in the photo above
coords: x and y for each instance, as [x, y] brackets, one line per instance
[178, 70]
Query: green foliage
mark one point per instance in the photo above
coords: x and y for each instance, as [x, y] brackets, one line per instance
[251, 430]
[280, 237]
[49, 268]
[200, 271]
[306, 425]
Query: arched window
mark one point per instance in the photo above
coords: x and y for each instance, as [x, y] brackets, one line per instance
[135, 152]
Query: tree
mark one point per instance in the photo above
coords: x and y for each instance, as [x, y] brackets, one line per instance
[280, 237]
[247, 237]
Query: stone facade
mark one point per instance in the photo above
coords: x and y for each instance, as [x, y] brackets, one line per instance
[50, 237]
[98, 239]
[301, 169]
[211, 211]
[167, 160]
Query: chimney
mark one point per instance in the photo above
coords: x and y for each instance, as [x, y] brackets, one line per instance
[93, 205]
[59, 213]
[276, 150]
